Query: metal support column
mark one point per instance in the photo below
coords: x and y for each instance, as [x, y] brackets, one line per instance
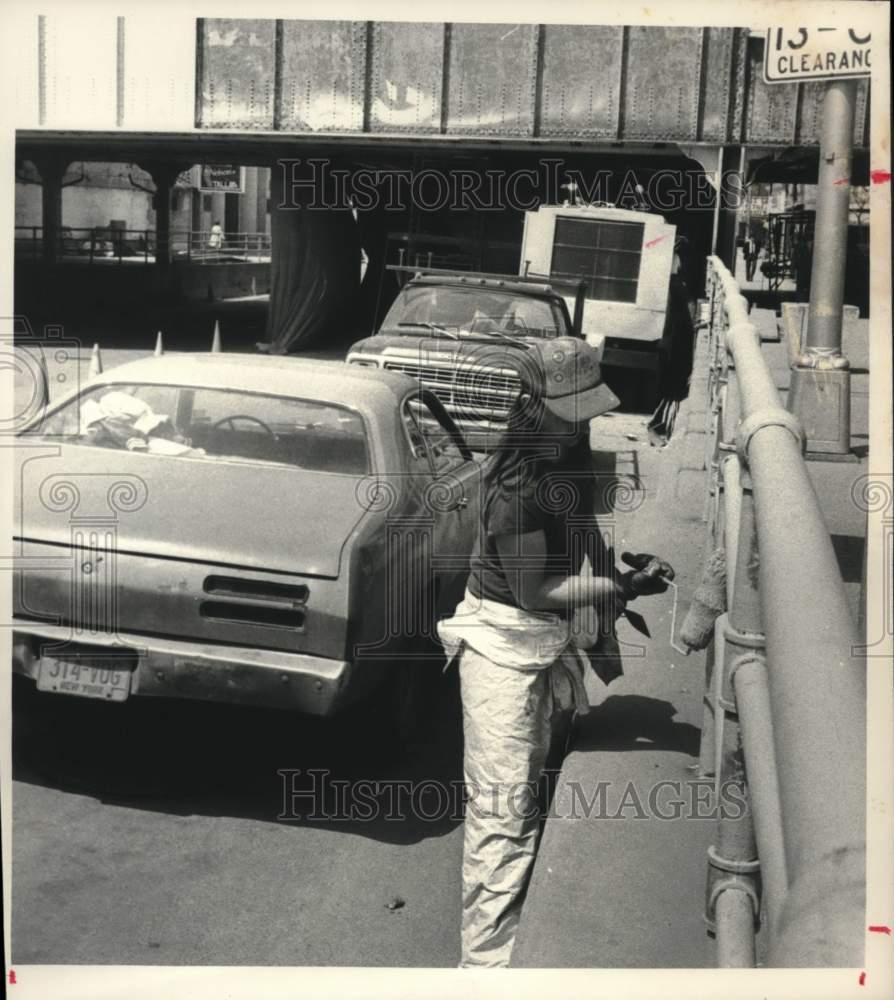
[820, 385]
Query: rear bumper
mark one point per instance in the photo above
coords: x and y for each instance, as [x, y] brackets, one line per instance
[173, 668]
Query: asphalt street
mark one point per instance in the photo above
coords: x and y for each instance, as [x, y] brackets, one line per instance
[159, 832]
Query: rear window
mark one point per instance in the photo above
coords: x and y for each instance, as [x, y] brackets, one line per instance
[215, 424]
[604, 254]
[473, 312]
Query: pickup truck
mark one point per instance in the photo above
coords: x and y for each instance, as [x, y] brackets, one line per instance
[464, 336]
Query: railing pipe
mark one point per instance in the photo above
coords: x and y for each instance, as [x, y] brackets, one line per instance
[731, 507]
[755, 718]
[734, 868]
[816, 677]
[735, 930]
[817, 684]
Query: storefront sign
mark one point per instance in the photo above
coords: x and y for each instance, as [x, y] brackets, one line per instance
[220, 177]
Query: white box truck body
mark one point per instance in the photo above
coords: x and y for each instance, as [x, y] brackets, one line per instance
[625, 257]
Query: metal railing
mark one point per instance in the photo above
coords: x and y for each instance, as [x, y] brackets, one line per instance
[202, 246]
[785, 691]
[123, 246]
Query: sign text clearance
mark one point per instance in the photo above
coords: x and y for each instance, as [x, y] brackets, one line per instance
[816, 54]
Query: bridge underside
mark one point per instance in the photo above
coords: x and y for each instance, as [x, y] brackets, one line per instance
[314, 280]
[623, 102]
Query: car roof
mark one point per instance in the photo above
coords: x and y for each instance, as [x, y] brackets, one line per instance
[324, 381]
[529, 288]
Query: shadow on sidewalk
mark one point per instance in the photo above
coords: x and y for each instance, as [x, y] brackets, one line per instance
[634, 722]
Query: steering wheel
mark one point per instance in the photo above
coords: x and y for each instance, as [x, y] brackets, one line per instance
[231, 421]
[513, 322]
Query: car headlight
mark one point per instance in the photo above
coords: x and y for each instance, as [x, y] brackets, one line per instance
[363, 362]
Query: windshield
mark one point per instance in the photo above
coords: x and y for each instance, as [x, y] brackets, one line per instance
[474, 312]
[183, 421]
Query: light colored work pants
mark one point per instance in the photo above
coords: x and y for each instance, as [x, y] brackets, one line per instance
[507, 726]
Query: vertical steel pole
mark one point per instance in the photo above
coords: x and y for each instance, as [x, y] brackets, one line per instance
[830, 230]
[820, 386]
[707, 744]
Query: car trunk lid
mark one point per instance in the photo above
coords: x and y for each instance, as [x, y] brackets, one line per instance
[237, 513]
[216, 552]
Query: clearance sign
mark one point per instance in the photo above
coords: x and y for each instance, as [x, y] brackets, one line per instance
[817, 54]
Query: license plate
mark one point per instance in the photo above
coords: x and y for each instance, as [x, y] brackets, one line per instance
[87, 677]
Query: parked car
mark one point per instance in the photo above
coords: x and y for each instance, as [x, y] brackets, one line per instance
[464, 336]
[238, 529]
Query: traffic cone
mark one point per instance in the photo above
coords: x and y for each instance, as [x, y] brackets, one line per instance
[43, 387]
[215, 343]
[159, 346]
[95, 362]
[708, 603]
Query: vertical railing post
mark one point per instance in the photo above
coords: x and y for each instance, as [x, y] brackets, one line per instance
[734, 888]
[707, 744]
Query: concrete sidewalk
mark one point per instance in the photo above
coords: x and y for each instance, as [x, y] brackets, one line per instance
[620, 876]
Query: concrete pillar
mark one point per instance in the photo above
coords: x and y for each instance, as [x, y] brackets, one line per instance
[164, 180]
[263, 195]
[248, 202]
[197, 223]
[163, 174]
[52, 169]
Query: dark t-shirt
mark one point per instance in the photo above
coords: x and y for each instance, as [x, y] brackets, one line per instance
[563, 512]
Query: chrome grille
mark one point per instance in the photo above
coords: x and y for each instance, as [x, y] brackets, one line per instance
[474, 392]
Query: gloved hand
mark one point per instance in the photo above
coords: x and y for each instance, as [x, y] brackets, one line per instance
[650, 575]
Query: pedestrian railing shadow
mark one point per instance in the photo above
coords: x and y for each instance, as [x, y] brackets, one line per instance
[634, 722]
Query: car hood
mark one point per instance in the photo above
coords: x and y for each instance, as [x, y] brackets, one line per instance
[485, 349]
[244, 514]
